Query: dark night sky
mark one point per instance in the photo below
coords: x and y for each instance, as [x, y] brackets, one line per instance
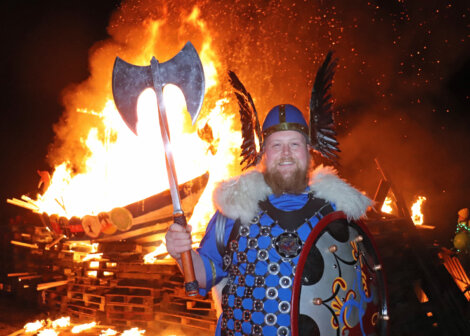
[46, 46]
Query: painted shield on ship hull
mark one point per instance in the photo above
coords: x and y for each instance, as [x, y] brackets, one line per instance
[339, 286]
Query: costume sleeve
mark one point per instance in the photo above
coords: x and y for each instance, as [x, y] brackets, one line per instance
[210, 255]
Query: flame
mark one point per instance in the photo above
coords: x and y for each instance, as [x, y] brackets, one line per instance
[151, 258]
[416, 214]
[92, 274]
[61, 322]
[133, 332]
[47, 332]
[49, 328]
[94, 264]
[387, 206]
[34, 326]
[92, 256]
[79, 328]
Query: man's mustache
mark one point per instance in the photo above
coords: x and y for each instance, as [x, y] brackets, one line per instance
[287, 160]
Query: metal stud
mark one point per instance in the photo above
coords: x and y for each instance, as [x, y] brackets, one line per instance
[377, 267]
[270, 319]
[333, 248]
[285, 282]
[271, 293]
[317, 301]
[284, 307]
[282, 331]
[358, 239]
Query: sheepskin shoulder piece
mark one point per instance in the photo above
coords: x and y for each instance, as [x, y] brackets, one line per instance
[238, 197]
[326, 184]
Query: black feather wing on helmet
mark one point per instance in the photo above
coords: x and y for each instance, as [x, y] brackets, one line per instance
[322, 127]
[251, 130]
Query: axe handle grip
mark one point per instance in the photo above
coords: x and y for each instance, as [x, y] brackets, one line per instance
[190, 283]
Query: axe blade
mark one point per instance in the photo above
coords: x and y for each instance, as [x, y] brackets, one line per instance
[128, 83]
[186, 72]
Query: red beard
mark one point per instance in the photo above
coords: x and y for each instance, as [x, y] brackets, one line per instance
[295, 183]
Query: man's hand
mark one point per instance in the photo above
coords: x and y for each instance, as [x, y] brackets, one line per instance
[178, 240]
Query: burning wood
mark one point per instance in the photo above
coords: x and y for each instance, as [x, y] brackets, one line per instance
[417, 215]
[387, 205]
[79, 328]
[34, 326]
[18, 243]
[49, 285]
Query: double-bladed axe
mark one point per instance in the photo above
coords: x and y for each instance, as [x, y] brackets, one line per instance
[185, 71]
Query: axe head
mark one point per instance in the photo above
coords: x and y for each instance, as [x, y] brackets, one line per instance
[184, 70]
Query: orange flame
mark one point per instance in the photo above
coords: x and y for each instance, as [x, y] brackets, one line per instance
[82, 327]
[387, 206]
[61, 322]
[34, 326]
[133, 332]
[417, 216]
[112, 166]
[47, 332]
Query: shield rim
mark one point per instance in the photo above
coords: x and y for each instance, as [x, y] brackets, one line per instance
[312, 237]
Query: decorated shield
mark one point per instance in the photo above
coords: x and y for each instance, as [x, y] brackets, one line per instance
[339, 286]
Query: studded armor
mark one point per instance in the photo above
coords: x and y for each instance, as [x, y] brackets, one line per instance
[261, 259]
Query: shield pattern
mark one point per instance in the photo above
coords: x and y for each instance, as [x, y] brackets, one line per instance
[339, 285]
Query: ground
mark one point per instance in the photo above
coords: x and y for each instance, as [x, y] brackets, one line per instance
[15, 314]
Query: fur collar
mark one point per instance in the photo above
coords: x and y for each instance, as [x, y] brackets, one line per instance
[238, 197]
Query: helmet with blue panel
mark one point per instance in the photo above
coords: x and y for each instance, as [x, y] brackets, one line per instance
[284, 117]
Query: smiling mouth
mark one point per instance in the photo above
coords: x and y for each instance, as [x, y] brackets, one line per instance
[286, 163]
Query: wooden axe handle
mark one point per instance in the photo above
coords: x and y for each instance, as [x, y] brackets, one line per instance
[190, 283]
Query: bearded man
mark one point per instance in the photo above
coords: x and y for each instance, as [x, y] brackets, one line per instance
[263, 219]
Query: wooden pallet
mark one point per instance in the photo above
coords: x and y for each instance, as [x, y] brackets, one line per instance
[124, 323]
[83, 314]
[133, 295]
[97, 302]
[186, 320]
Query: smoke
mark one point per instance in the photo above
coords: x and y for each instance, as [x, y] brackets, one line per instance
[390, 89]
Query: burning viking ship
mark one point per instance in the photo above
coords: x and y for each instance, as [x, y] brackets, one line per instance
[144, 221]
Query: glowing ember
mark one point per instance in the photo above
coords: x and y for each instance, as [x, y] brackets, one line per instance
[108, 332]
[151, 258]
[79, 328]
[34, 326]
[92, 274]
[387, 206]
[47, 332]
[91, 256]
[94, 247]
[61, 322]
[417, 216]
[133, 332]
[94, 264]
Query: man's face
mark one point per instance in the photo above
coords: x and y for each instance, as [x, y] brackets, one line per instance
[286, 160]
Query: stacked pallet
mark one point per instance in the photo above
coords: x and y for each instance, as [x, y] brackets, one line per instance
[134, 294]
[86, 300]
[176, 308]
[111, 285]
[129, 306]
